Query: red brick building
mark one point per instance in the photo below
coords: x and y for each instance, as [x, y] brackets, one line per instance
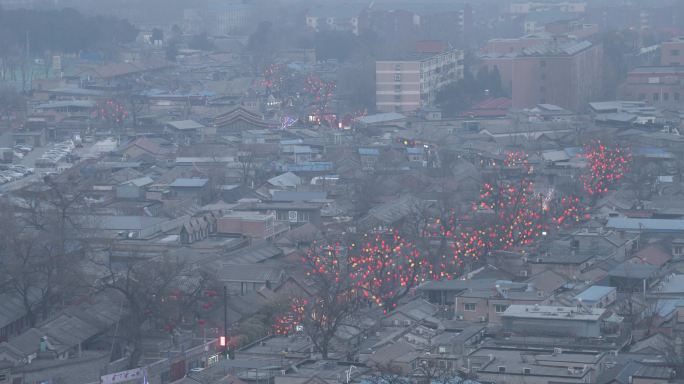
[672, 52]
[565, 74]
[657, 86]
[250, 224]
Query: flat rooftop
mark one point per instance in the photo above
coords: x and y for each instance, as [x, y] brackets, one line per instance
[552, 312]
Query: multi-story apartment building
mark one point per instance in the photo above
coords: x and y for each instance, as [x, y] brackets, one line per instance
[404, 85]
[217, 18]
[224, 18]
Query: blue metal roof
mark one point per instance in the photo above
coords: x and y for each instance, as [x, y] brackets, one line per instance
[594, 293]
[298, 195]
[319, 166]
[369, 152]
[291, 141]
[652, 152]
[381, 118]
[645, 225]
[667, 306]
[189, 183]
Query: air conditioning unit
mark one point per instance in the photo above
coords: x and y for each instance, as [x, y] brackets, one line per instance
[483, 319]
[523, 273]
[459, 317]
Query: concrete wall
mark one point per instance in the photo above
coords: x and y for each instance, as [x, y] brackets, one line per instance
[249, 228]
[552, 327]
[672, 53]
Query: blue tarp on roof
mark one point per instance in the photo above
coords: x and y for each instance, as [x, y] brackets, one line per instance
[652, 152]
[319, 166]
[189, 183]
[645, 225]
[594, 293]
[369, 152]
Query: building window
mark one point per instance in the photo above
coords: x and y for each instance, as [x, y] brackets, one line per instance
[397, 88]
[397, 98]
[397, 67]
[500, 308]
[501, 369]
[676, 96]
[527, 371]
[470, 307]
[397, 77]
[677, 250]
[666, 96]
[656, 96]
[674, 52]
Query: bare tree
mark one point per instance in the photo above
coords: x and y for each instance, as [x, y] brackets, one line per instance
[158, 294]
[42, 247]
[35, 269]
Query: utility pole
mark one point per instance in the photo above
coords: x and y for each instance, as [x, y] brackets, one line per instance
[225, 315]
[227, 348]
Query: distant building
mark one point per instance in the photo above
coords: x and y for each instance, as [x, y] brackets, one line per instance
[407, 84]
[218, 18]
[225, 18]
[672, 52]
[539, 6]
[333, 19]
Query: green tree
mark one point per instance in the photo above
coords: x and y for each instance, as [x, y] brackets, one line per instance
[201, 42]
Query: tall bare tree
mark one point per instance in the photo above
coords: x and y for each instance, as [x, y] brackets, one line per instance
[158, 294]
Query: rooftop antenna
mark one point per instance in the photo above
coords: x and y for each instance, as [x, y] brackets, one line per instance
[349, 373]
